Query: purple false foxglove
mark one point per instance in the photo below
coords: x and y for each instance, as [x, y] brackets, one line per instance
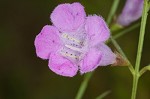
[132, 11]
[74, 41]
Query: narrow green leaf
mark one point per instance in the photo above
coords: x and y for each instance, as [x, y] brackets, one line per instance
[101, 96]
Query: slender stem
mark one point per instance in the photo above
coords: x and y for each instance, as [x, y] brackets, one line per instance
[139, 51]
[141, 37]
[117, 46]
[122, 53]
[101, 96]
[126, 31]
[83, 85]
[144, 69]
[87, 78]
[112, 11]
[134, 88]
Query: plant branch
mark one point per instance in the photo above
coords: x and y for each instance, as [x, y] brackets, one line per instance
[101, 96]
[83, 85]
[122, 53]
[140, 48]
[126, 31]
[141, 36]
[112, 11]
[144, 69]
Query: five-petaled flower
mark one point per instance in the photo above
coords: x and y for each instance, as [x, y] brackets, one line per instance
[74, 41]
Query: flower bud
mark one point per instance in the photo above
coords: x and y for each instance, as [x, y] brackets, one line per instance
[131, 12]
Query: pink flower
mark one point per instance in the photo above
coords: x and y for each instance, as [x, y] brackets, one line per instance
[74, 42]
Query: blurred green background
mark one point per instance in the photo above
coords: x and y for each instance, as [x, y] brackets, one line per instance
[24, 76]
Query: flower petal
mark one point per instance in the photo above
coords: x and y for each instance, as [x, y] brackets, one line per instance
[62, 66]
[100, 55]
[47, 41]
[90, 60]
[97, 29]
[108, 57]
[68, 17]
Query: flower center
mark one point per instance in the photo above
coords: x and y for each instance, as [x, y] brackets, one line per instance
[73, 46]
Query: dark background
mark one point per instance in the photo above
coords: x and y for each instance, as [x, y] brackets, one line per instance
[25, 76]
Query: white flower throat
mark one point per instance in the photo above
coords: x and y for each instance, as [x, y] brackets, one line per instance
[73, 46]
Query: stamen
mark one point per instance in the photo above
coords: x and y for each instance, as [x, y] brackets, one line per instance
[69, 55]
[74, 48]
[64, 35]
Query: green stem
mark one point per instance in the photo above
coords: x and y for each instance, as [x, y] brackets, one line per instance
[101, 96]
[144, 69]
[83, 85]
[126, 31]
[140, 47]
[122, 53]
[141, 37]
[112, 11]
[134, 88]
[118, 47]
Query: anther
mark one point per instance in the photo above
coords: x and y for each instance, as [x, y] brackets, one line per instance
[69, 55]
[74, 48]
[64, 35]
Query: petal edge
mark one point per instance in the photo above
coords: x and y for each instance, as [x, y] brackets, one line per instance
[90, 61]
[47, 41]
[97, 29]
[62, 66]
[68, 17]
